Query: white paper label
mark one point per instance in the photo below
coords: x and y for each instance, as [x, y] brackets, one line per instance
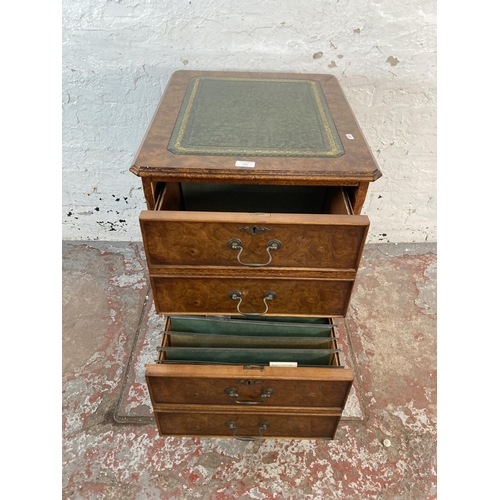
[249, 164]
[287, 364]
[349, 136]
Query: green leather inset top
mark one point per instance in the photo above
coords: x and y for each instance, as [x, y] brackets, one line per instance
[255, 117]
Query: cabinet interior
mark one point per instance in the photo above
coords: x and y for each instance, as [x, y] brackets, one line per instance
[252, 198]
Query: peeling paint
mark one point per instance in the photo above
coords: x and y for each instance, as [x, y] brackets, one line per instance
[393, 61]
[104, 460]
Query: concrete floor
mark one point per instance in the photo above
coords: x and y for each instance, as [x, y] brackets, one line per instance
[392, 330]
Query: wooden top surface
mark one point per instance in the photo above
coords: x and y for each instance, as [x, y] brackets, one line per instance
[154, 159]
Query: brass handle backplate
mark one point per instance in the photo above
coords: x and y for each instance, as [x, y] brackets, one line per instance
[237, 295]
[233, 393]
[236, 244]
[262, 426]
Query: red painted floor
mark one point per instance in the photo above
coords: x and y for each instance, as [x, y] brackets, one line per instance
[111, 449]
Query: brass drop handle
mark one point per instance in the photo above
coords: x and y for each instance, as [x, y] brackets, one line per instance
[233, 393]
[262, 426]
[236, 244]
[236, 295]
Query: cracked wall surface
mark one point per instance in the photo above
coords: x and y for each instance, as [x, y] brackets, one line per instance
[118, 56]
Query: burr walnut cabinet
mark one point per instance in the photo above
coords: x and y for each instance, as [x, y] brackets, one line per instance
[253, 234]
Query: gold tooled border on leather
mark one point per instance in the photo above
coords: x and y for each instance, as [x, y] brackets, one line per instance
[335, 144]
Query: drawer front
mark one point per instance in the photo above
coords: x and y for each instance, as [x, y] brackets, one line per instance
[250, 296]
[242, 424]
[246, 240]
[170, 388]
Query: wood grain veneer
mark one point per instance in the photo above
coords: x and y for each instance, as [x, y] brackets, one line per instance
[192, 269]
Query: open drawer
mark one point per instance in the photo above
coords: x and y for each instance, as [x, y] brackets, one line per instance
[184, 388]
[252, 226]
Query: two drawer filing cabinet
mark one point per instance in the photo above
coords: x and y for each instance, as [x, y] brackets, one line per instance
[253, 233]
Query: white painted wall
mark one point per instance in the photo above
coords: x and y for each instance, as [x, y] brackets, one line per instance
[118, 56]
